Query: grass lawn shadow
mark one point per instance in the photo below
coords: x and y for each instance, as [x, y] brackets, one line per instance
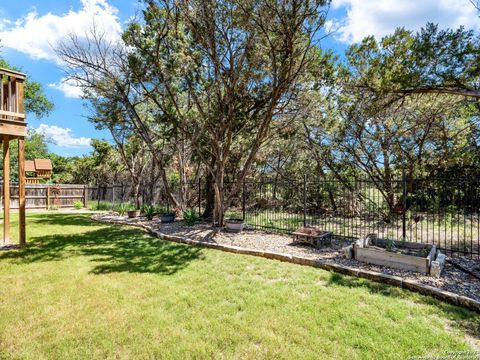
[63, 219]
[111, 248]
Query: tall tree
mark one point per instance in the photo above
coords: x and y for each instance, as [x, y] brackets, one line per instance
[224, 72]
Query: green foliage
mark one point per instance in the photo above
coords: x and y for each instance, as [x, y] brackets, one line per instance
[100, 206]
[36, 101]
[149, 211]
[35, 148]
[190, 217]
[390, 244]
[122, 208]
[78, 205]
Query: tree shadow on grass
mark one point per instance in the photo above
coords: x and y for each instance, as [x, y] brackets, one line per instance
[64, 219]
[467, 320]
[112, 249]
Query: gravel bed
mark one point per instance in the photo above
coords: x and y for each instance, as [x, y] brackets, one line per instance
[452, 279]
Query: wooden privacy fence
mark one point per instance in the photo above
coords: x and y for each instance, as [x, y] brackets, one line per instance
[45, 196]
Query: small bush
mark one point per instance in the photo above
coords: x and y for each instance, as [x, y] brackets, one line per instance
[102, 206]
[149, 211]
[122, 209]
[190, 217]
[78, 205]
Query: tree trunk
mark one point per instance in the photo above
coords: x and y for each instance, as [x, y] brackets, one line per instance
[183, 163]
[209, 197]
[389, 190]
[136, 193]
[218, 187]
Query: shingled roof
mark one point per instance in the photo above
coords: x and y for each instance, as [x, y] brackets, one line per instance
[43, 164]
[29, 166]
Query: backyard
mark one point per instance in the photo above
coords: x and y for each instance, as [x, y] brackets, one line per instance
[81, 289]
[240, 179]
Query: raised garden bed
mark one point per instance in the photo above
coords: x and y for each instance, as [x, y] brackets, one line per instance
[402, 255]
[312, 236]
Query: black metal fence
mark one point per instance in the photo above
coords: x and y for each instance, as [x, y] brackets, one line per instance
[445, 212]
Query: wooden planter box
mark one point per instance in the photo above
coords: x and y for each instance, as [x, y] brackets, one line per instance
[312, 236]
[373, 251]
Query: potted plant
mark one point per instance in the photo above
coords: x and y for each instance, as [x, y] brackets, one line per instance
[132, 212]
[234, 225]
[166, 216]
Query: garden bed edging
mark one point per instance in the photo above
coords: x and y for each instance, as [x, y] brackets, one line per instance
[397, 281]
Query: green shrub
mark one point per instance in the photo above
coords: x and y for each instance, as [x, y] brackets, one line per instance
[123, 208]
[78, 204]
[190, 217]
[100, 206]
[149, 211]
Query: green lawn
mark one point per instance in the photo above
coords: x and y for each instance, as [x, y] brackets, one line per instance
[82, 290]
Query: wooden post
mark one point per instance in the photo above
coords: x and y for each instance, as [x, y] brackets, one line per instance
[48, 197]
[21, 192]
[85, 197]
[20, 103]
[6, 189]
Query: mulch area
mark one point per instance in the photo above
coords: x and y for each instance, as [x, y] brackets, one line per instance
[453, 279]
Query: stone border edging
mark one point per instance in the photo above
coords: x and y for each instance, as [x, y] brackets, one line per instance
[397, 281]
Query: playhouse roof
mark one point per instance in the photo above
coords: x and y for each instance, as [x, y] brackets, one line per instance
[29, 166]
[38, 165]
[43, 164]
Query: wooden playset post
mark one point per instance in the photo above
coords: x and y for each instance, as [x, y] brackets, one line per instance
[13, 127]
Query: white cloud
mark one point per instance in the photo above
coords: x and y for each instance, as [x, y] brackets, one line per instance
[63, 136]
[37, 35]
[69, 88]
[382, 17]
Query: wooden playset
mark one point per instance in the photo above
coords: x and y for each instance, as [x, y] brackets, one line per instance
[38, 170]
[13, 127]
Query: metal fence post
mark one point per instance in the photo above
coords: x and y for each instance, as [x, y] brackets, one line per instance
[244, 195]
[404, 206]
[304, 200]
[199, 196]
[113, 196]
[98, 196]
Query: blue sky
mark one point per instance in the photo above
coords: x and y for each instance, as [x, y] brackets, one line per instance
[29, 29]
